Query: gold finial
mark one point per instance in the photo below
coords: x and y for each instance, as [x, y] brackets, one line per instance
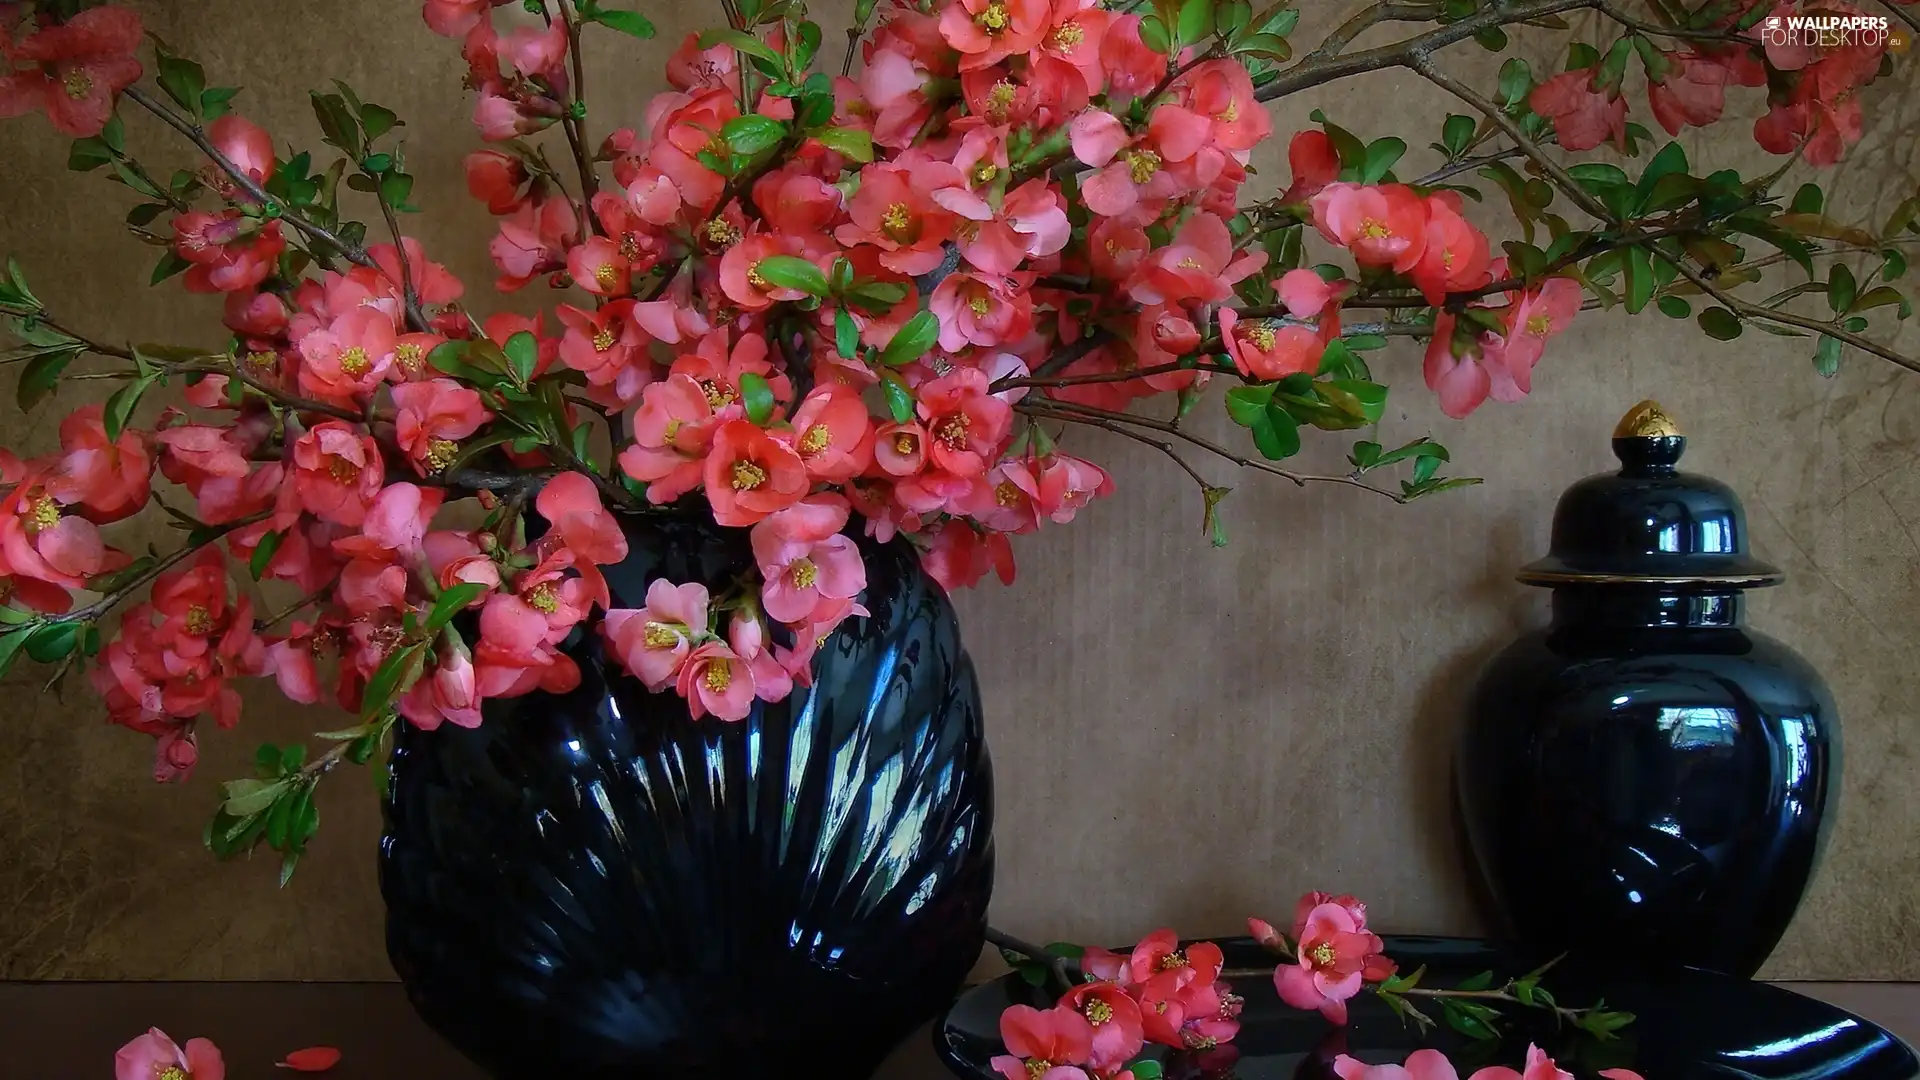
[1644, 421]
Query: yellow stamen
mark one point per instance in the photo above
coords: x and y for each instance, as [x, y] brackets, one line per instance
[984, 172]
[630, 247]
[1229, 114]
[1374, 229]
[1540, 325]
[1174, 959]
[1322, 954]
[1197, 1041]
[1188, 263]
[661, 636]
[1261, 336]
[1067, 36]
[1007, 493]
[408, 355]
[721, 232]
[603, 340]
[896, 220]
[816, 439]
[905, 443]
[441, 452]
[1037, 1068]
[605, 274]
[755, 279]
[1000, 99]
[719, 676]
[44, 514]
[78, 84]
[718, 394]
[953, 431]
[543, 599]
[171, 1072]
[995, 18]
[263, 360]
[674, 425]
[199, 620]
[1141, 165]
[747, 476]
[341, 469]
[978, 305]
[803, 573]
[354, 362]
[1097, 1012]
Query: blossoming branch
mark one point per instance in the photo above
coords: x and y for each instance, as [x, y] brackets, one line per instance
[825, 290]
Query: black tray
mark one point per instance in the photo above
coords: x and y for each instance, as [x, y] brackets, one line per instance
[1691, 1026]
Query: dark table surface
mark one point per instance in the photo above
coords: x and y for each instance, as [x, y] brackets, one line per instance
[70, 1030]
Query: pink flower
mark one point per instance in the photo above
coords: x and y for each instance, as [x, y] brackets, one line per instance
[750, 474]
[245, 144]
[1455, 256]
[454, 18]
[108, 480]
[691, 67]
[1266, 350]
[1541, 1067]
[967, 424]
[982, 310]
[653, 642]
[798, 576]
[1221, 92]
[671, 432]
[349, 358]
[448, 693]
[1131, 68]
[1382, 225]
[1160, 952]
[336, 473]
[571, 503]
[73, 71]
[896, 211]
[1541, 312]
[986, 32]
[1693, 94]
[229, 252]
[598, 267]
[958, 555]
[1420, 1065]
[39, 540]
[153, 1055]
[434, 282]
[740, 277]
[833, 433]
[1315, 165]
[1031, 223]
[1059, 484]
[1115, 1019]
[1583, 116]
[716, 680]
[1199, 265]
[533, 240]
[1334, 949]
[432, 417]
[496, 178]
[1131, 170]
[1045, 1045]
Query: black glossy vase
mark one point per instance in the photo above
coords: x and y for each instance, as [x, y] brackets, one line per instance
[1645, 782]
[593, 885]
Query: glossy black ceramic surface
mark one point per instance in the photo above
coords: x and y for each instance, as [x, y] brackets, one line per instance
[1647, 782]
[1690, 1025]
[592, 885]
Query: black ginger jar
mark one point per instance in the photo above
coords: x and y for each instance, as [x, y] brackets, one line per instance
[594, 885]
[1646, 783]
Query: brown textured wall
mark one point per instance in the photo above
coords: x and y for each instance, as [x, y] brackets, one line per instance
[1181, 735]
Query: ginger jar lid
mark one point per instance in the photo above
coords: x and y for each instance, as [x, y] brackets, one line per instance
[1650, 524]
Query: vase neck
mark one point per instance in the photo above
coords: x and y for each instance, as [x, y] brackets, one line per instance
[1645, 608]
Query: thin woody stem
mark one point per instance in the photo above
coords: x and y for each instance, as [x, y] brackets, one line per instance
[575, 128]
[1060, 968]
[261, 626]
[352, 252]
[106, 603]
[1787, 318]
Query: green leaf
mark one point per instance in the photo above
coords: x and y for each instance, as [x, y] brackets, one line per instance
[1516, 82]
[757, 396]
[287, 863]
[1878, 297]
[395, 187]
[850, 143]
[10, 643]
[1360, 399]
[1153, 34]
[740, 41]
[245, 798]
[216, 101]
[394, 675]
[378, 120]
[914, 339]
[1808, 200]
[1352, 152]
[53, 641]
[899, 398]
[749, 134]
[1826, 356]
[1381, 156]
[183, 80]
[1675, 307]
[1639, 278]
[121, 405]
[1456, 133]
[86, 155]
[1231, 16]
[1841, 288]
[449, 603]
[1265, 46]
[170, 264]
[1277, 434]
[1196, 21]
[1478, 982]
[263, 553]
[1146, 1069]
[1248, 404]
[1491, 38]
[1466, 1023]
[792, 272]
[1719, 323]
[41, 376]
[523, 354]
[1895, 266]
[1670, 161]
[846, 334]
[627, 22]
[337, 122]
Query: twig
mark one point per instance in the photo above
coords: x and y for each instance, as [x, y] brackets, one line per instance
[1447, 172]
[1787, 318]
[106, 603]
[1365, 19]
[576, 130]
[1106, 420]
[1059, 967]
[411, 297]
[353, 253]
[261, 626]
[1639, 26]
[1313, 71]
[1905, 16]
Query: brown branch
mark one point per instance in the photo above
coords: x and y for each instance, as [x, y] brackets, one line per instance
[1612, 11]
[261, 626]
[1365, 19]
[1311, 71]
[106, 603]
[576, 130]
[1447, 172]
[1106, 420]
[1901, 13]
[1787, 318]
[353, 253]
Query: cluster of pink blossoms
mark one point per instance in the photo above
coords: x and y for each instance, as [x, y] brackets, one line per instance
[1433, 1065]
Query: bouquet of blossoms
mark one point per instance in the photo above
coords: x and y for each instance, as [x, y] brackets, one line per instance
[879, 285]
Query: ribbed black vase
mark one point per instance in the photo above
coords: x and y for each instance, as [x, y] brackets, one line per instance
[594, 885]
